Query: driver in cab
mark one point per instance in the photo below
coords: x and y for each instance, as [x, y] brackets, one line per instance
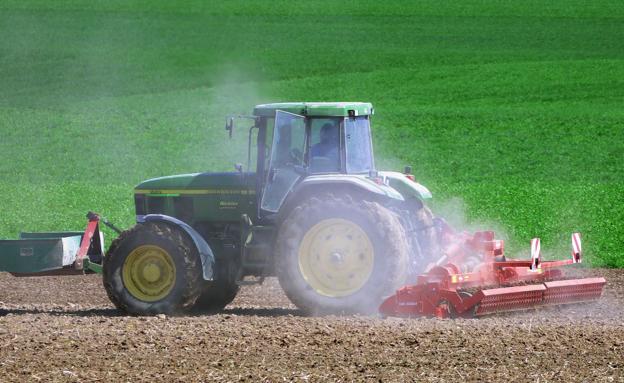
[327, 147]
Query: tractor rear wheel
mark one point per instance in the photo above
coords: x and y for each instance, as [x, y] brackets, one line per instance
[152, 269]
[216, 295]
[341, 256]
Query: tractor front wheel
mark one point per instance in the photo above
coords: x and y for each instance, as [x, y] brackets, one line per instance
[152, 269]
[341, 256]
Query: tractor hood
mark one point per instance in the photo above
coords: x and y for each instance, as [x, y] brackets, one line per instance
[234, 182]
[198, 197]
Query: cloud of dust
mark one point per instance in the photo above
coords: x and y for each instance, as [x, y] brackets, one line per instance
[454, 212]
[235, 92]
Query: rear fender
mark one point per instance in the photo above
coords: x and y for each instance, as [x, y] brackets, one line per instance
[405, 186]
[205, 252]
[356, 186]
[356, 182]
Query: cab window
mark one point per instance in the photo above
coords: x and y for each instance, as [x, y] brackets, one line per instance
[324, 145]
[358, 145]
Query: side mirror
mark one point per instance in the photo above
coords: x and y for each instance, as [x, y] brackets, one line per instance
[229, 125]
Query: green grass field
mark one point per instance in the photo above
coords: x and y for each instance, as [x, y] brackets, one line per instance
[513, 113]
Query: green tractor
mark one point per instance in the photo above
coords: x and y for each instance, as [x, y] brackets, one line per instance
[310, 209]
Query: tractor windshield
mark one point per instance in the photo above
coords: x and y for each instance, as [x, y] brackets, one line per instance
[325, 145]
[358, 145]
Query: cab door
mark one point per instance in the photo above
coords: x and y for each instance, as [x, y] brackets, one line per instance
[287, 156]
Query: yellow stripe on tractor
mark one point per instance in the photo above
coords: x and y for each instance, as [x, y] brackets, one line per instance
[195, 191]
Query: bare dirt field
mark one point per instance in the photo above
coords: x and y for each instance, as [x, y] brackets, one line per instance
[65, 329]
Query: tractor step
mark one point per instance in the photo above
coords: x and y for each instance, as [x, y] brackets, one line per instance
[256, 249]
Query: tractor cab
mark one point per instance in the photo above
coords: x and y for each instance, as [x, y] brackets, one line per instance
[308, 139]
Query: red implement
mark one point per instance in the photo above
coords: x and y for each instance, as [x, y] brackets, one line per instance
[494, 285]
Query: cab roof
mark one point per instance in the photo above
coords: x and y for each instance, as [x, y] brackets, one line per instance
[339, 109]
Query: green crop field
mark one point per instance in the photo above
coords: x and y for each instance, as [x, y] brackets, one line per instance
[510, 112]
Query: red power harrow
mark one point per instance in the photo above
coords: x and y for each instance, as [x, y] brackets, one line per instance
[494, 284]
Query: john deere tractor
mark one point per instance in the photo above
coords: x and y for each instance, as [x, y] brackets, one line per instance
[310, 208]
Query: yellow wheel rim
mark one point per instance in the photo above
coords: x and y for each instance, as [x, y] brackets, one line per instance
[149, 273]
[336, 257]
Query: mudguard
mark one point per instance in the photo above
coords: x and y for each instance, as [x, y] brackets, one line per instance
[205, 252]
[358, 181]
[404, 185]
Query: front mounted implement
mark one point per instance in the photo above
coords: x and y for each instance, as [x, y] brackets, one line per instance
[493, 286]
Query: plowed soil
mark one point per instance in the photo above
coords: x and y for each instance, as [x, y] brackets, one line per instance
[65, 329]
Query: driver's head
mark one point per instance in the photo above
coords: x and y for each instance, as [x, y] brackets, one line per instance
[329, 133]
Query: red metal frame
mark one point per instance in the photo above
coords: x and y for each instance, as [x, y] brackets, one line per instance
[445, 290]
[87, 239]
[92, 230]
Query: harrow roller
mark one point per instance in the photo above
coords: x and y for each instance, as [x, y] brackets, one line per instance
[500, 284]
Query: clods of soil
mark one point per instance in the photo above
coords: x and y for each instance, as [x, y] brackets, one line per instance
[65, 329]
